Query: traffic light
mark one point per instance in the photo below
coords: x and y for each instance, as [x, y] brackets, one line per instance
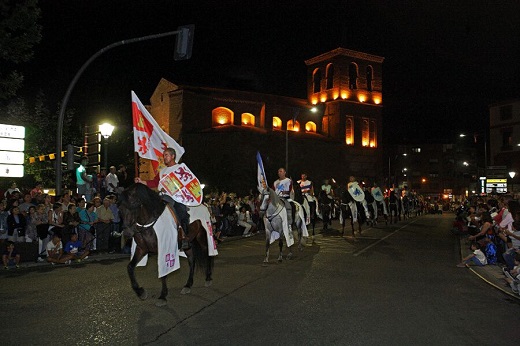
[92, 148]
[73, 156]
[184, 42]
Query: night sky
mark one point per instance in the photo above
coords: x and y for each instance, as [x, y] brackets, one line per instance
[445, 61]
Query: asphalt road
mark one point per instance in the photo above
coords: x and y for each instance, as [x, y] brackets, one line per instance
[395, 285]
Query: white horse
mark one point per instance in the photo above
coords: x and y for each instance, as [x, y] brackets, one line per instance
[274, 214]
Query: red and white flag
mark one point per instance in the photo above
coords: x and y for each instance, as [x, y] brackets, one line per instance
[149, 139]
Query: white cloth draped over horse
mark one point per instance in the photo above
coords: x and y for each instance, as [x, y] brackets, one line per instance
[168, 251]
[201, 213]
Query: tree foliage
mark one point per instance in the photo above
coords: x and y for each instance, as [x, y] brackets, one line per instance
[19, 32]
[40, 133]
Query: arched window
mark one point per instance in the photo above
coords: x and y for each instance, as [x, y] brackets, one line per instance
[316, 81]
[277, 123]
[349, 131]
[365, 133]
[293, 126]
[248, 119]
[370, 73]
[310, 127]
[352, 76]
[330, 76]
[222, 116]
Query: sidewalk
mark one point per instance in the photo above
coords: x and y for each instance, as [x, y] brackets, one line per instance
[491, 274]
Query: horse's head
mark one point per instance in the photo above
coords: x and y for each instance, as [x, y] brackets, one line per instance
[268, 199]
[139, 204]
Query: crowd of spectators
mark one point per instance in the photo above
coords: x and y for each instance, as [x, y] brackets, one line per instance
[492, 228]
[50, 223]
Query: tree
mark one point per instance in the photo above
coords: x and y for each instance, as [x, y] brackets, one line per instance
[19, 32]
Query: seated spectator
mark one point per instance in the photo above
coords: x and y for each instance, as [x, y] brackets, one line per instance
[55, 250]
[41, 218]
[86, 229]
[512, 239]
[476, 257]
[36, 192]
[486, 227]
[10, 257]
[115, 243]
[16, 224]
[75, 250]
[71, 221]
[513, 275]
[490, 250]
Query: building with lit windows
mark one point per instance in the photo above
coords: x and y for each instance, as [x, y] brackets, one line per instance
[334, 133]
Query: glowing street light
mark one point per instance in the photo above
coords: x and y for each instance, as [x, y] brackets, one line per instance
[106, 131]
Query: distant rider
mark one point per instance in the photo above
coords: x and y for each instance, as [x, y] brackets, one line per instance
[283, 188]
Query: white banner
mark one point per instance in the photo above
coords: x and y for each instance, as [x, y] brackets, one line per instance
[11, 171]
[12, 144]
[12, 131]
[11, 157]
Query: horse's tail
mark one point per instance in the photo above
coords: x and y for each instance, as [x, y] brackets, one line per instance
[201, 256]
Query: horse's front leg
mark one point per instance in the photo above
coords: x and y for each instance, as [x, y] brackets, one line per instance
[191, 260]
[164, 292]
[280, 246]
[138, 255]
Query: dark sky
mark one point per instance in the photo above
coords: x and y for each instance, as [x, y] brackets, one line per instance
[445, 61]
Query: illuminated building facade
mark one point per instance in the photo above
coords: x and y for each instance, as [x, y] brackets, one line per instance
[334, 133]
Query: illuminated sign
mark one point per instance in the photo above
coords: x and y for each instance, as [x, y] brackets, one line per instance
[12, 131]
[12, 157]
[11, 171]
[12, 144]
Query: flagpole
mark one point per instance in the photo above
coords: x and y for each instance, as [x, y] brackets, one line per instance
[136, 165]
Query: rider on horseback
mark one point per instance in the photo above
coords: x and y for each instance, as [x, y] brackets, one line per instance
[283, 188]
[307, 191]
[180, 209]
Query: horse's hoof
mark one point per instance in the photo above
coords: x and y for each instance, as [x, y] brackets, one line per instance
[289, 256]
[208, 283]
[265, 264]
[186, 290]
[161, 302]
[143, 295]
[280, 259]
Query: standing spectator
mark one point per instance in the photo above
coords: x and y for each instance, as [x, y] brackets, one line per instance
[101, 182]
[42, 230]
[30, 229]
[36, 192]
[112, 181]
[3, 222]
[115, 241]
[55, 218]
[84, 181]
[65, 200]
[103, 227]
[12, 189]
[10, 257]
[27, 203]
[124, 178]
[16, 224]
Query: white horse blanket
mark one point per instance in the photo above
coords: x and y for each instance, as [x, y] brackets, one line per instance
[275, 233]
[168, 251]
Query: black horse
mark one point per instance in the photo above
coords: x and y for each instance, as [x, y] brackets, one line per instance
[140, 208]
[325, 206]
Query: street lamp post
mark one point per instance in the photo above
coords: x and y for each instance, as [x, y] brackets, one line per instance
[182, 51]
[106, 131]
